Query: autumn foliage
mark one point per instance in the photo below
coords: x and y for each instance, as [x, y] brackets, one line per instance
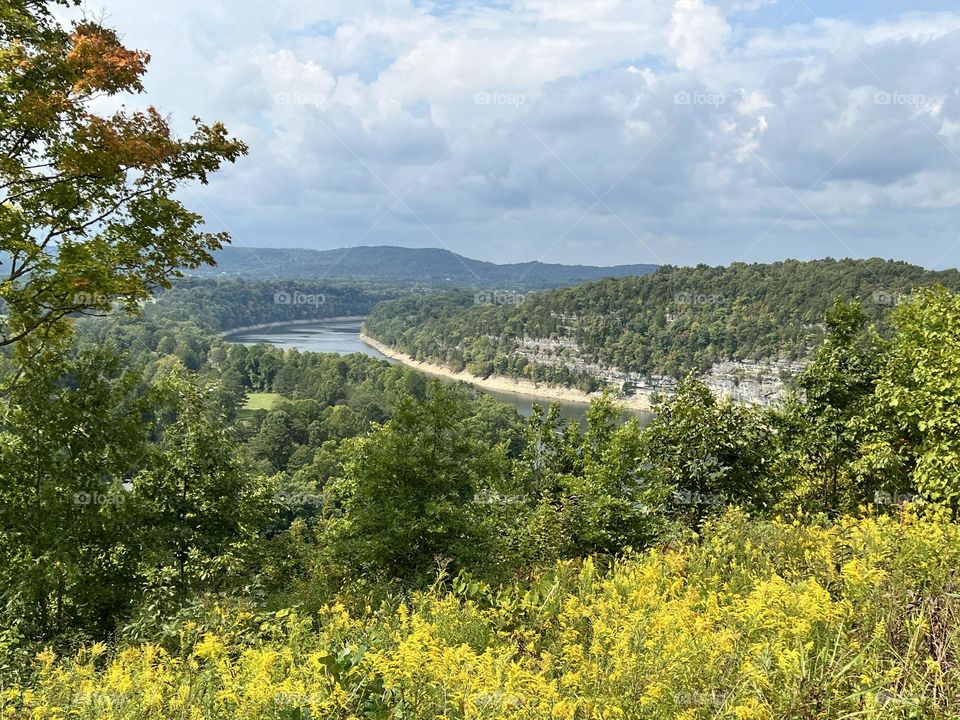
[88, 216]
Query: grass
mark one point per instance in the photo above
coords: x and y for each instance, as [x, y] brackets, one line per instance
[258, 401]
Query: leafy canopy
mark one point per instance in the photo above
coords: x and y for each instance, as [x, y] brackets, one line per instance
[88, 214]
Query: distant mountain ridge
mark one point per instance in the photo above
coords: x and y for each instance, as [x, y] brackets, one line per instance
[434, 266]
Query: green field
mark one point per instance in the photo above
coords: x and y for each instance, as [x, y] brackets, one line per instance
[259, 401]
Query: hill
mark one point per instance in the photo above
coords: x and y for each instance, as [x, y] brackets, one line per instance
[645, 332]
[426, 266]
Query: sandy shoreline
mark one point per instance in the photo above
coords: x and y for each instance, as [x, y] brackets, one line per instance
[499, 383]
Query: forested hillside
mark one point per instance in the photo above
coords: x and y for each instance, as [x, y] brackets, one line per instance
[431, 267]
[222, 305]
[669, 323]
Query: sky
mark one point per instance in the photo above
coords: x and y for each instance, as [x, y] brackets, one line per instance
[578, 131]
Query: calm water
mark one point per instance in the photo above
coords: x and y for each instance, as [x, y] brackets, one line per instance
[329, 336]
[343, 337]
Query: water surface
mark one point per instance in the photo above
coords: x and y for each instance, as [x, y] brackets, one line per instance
[329, 336]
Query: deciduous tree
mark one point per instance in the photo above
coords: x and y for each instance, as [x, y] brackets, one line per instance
[88, 210]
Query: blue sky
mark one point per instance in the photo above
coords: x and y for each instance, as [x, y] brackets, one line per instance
[581, 131]
[865, 11]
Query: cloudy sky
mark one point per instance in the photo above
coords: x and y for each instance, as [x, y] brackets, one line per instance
[590, 131]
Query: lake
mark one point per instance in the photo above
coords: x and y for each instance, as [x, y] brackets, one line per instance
[342, 336]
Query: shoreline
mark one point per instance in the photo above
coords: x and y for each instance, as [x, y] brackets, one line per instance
[263, 326]
[498, 383]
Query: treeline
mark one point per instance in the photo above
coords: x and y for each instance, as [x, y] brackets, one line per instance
[671, 322]
[327, 380]
[183, 321]
[223, 305]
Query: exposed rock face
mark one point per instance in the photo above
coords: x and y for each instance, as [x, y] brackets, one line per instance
[760, 383]
[756, 382]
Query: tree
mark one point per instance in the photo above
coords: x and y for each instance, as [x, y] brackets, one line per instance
[406, 496]
[711, 452]
[549, 449]
[70, 437]
[916, 408]
[87, 209]
[201, 514]
[582, 492]
[274, 442]
[825, 426]
[616, 495]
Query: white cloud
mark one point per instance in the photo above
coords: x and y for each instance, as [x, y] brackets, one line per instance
[697, 33]
[500, 125]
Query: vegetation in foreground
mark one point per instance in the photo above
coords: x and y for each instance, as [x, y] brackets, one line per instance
[752, 619]
[452, 561]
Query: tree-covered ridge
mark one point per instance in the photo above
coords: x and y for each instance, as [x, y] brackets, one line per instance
[668, 323]
[431, 267]
[224, 305]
